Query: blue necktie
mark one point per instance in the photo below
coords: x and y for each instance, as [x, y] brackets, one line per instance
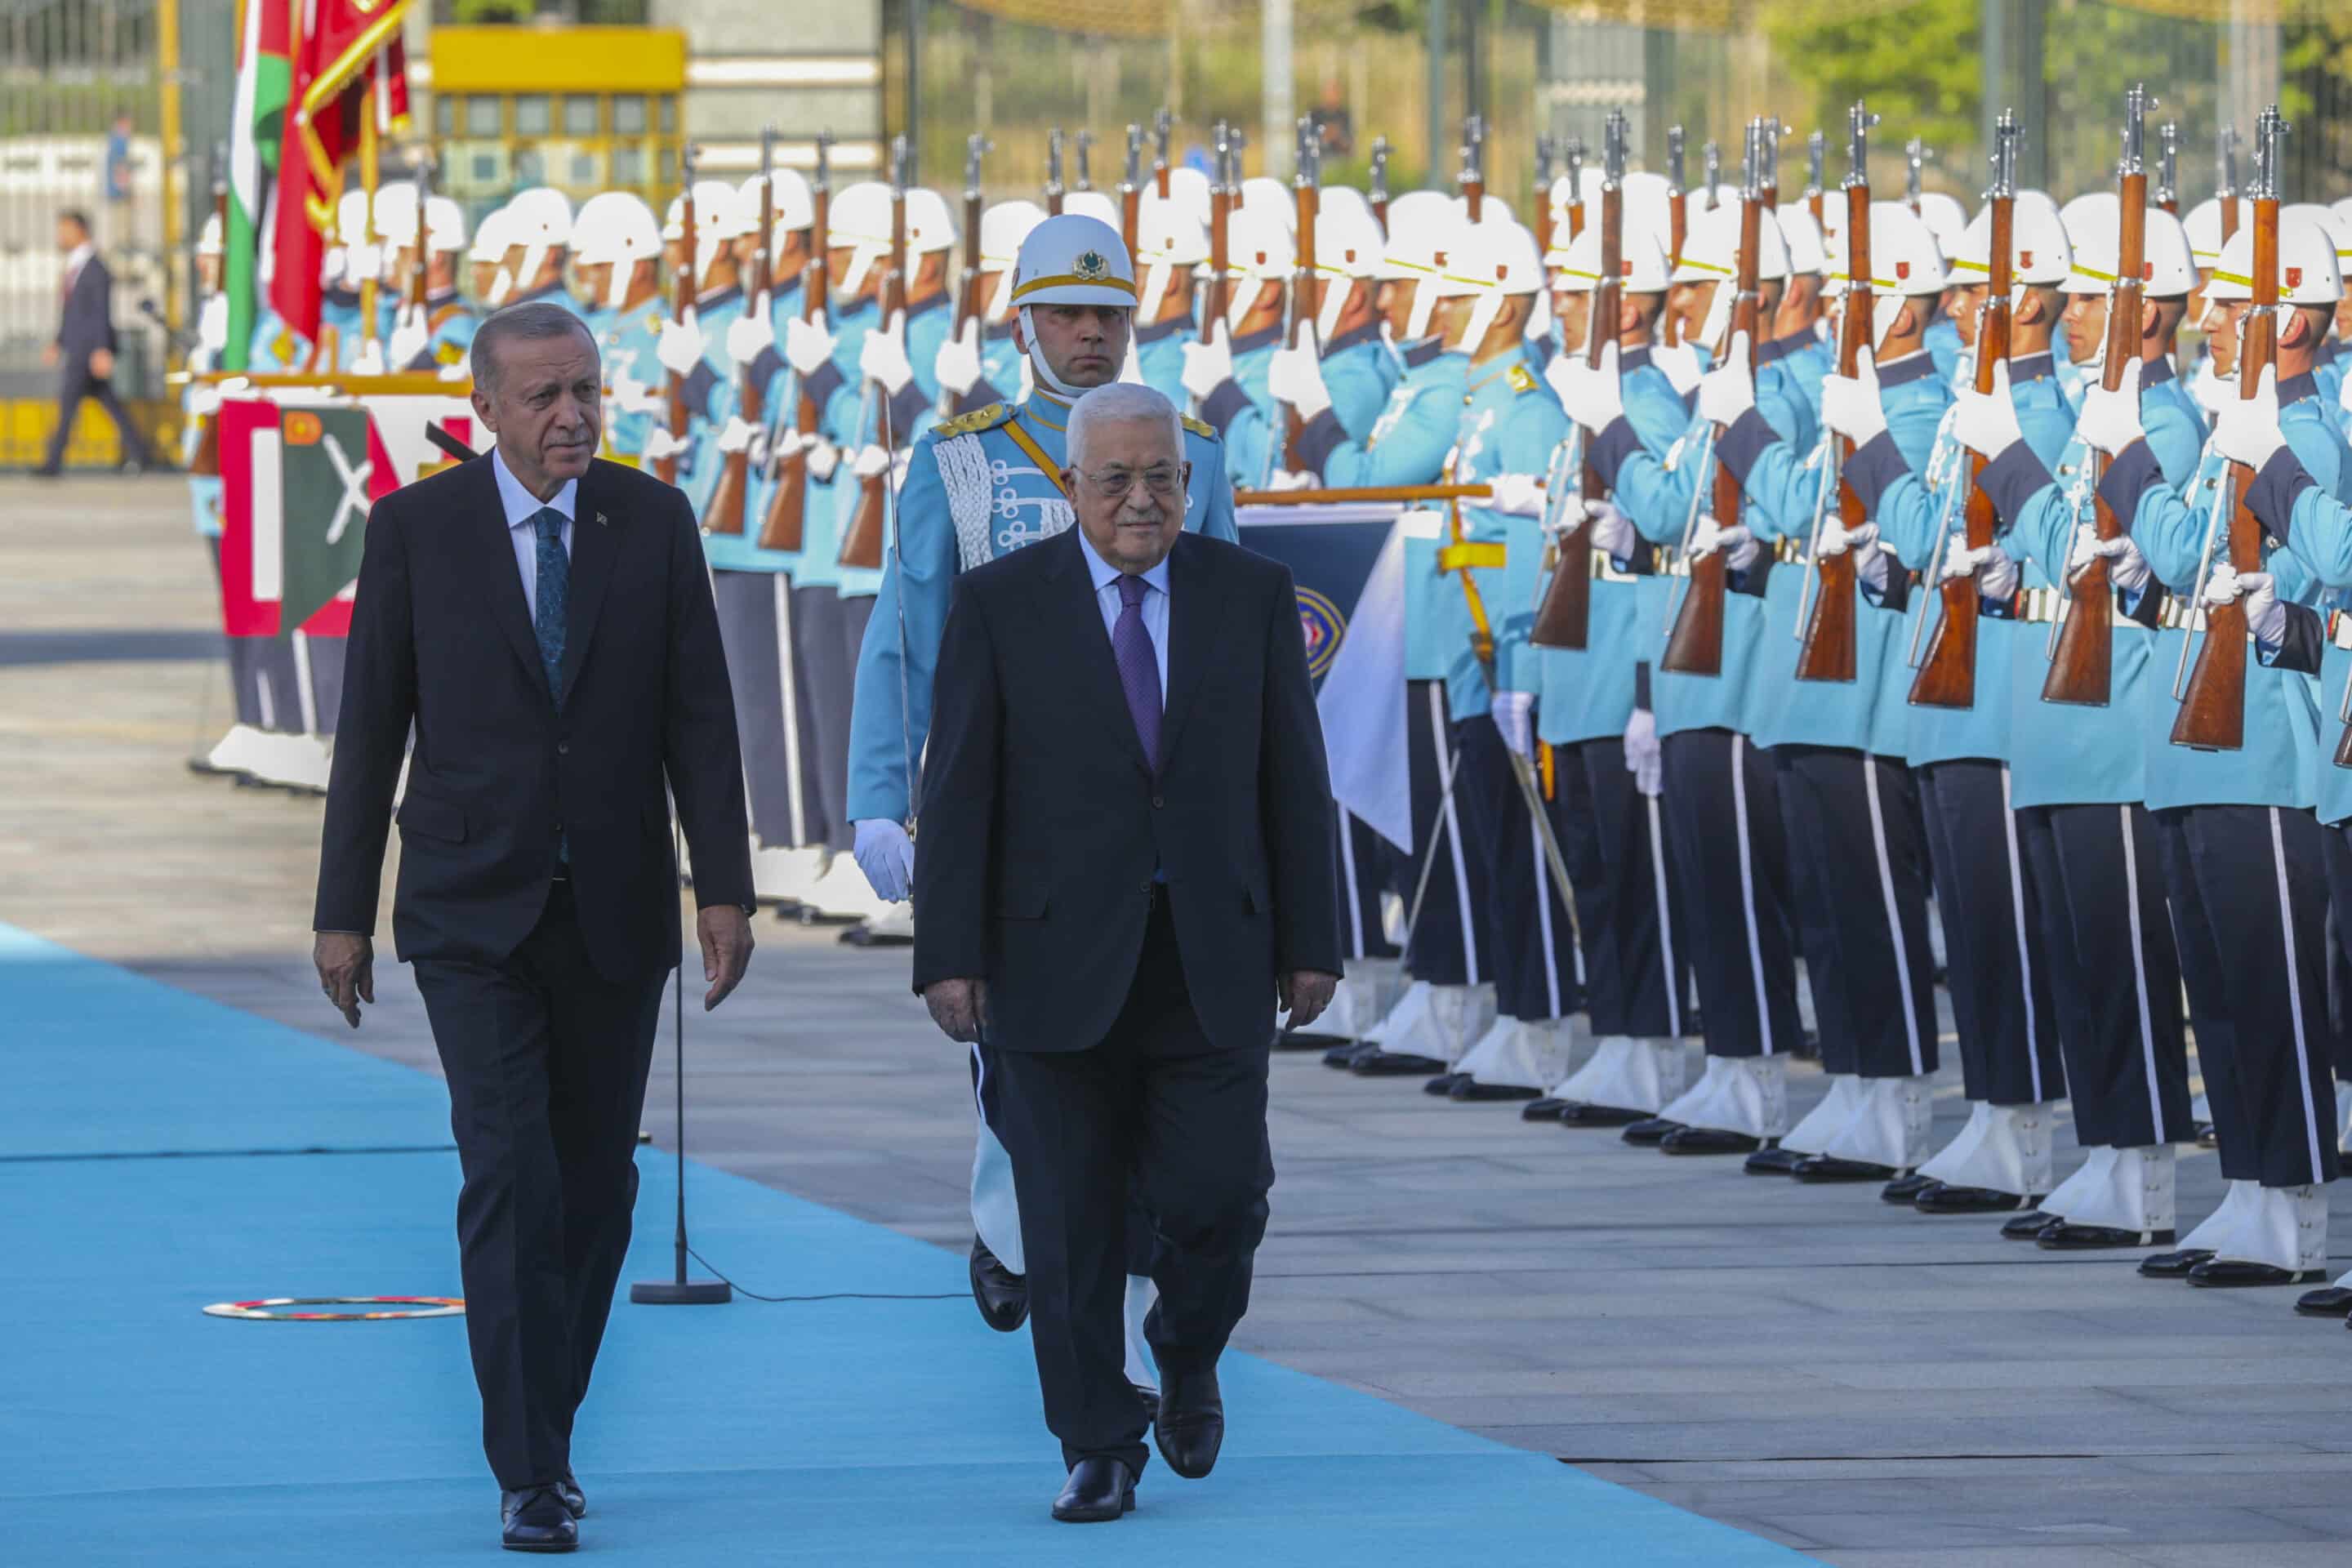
[553, 598]
[1138, 666]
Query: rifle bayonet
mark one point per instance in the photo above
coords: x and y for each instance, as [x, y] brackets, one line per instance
[1053, 172]
[2168, 167]
[1085, 161]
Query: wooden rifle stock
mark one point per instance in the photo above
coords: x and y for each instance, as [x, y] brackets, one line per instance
[861, 546]
[1695, 645]
[1829, 651]
[1221, 211]
[1303, 305]
[725, 513]
[1564, 619]
[786, 523]
[681, 300]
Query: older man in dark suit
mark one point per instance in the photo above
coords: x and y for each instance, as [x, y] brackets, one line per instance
[544, 622]
[84, 349]
[1127, 861]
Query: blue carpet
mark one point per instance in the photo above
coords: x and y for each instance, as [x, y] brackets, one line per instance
[135, 1430]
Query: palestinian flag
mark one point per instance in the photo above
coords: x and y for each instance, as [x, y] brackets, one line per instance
[256, 127]
[349, 61]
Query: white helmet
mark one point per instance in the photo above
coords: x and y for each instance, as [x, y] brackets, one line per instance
[355, 255]
[1169, 243]
[1493, 261]
[2040, 254]
[1642, 270]
[1344, 198]
[490, 237]
[861, 224]
[1563, 194]
[1264, 194]
[540, 221]
[795, 206]
[395, 220]
[1711, 255]
[616, 229]
[714, 214]
[1070, 260]
[1946, 218]
[2203, 223]
[2166, 270]
[208, 239]
[1423, 229]
[2325, 216]
[1258, 250]
[1905, 264]
[1348, 248]
[1649, 206]
[1003, 227]
[2308, 274]
[1492, 208]
[1091, 204]
[1808, 248]
[1188, 188]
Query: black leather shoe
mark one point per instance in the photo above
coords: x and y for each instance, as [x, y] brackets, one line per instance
[1707, 1141]
[1546, 1109]
[1907, 1190]
[1299, 1040]
[2239, 1274]
[2333, 1302]
[1002, 1295]
[1347, 1056]
[1942, 1197]
[1830, 1168]
[1442, 1084]
[2063, 1235]
[1100, 1490]
[2206, 1137]
[2029, 1226]
[536, 1519]
[1148, 1398]
[1577, 1114]
[1189, 1425]
[576, 1501]
[1471, 1090]
[1773, 1162]
[1378, 1063]
[1649, 1132]
[2173, 1264]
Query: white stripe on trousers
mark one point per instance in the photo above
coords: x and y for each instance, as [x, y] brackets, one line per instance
[784, 590]
[1543, 909]
[1348, 874]
[1453, 834]
[1665, 917]
[1893, 915]
[2139, 980]
[2295, 996]
[2024, 946]
[1747, 889]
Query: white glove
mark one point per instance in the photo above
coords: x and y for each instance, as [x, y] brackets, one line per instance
[1870, 560]
[1208, 366]
[2127, 569]
[1294, 479]
[631, 395]
[1516, 495]
[2247, 431]
[1645, 755]
[1295, 376]
[681, 345]
[1712, 536]
[369, 360]
[204, 400]
[1986, 422]
[2265, 616]
[752, 333]
[235, 386]
[408, 339]
[808, 345]
[956, 366]
[883, 356]
[1729, 390]
[2211, 393]
[362, 262]
[661, 445]
[2110, 420]
[737, 436]
[211, 324]
[887, 855]
[824, 457]
[1515, 716]
[1851, 404]
[1612, 532]
[869, 461]
[1995, 573]
[1680, 363]
[1591, 395]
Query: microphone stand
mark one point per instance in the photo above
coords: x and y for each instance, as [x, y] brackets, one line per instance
[679, 1291]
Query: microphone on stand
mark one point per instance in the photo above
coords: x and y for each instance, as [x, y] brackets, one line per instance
[679, 1291]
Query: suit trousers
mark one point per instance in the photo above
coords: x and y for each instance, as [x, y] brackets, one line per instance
[1155, 1109]
[546, 1060]
[1636, 967]
[1449, 943]
[77, 384]
[2210, 1018]
[1532, 940]
[2002, 970]
[988, 1094]
[1730, 859]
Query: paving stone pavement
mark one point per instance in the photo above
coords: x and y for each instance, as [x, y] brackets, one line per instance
[1877, 1388]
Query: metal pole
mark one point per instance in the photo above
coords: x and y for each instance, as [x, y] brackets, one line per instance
[1274, 98]
[178, 283]
[1436, 155]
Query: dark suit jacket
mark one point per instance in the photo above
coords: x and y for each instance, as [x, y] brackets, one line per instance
[441, 636]
[1041, 825]
[87, 323]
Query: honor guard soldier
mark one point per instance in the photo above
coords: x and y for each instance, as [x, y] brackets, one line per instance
[1344, 367]
[341, 342]
[538, 237]
[617, 247]
[2247, 870]
[1170, 242]
[977, 487]
[437, 338]
[983, 366]
[694, 350]
[485, 262]
[1226, 376]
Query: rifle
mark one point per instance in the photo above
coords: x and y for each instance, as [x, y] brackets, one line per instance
[1085, 162]
[1306, 191]
[1817, 147]
[970, 304]
[206, 460]
[1163, 127]
[1914, 158]
[2168, 167]
[1221, 211]
[784, 525]
[1576, 217]
[725, 513]
[1131, 193]
[2212, 716]
[1947, 679]
[1677, 221]
[1472, 177]
[861, 546]
[2083, 647]
[1696, 646]
[1772, 164]
[1053, 172]
[1710, 163]
[420, 266]
[1546, 149]
[681, 300]
[1564, 618]
[1379, 183]
[2225, 158]
[1826, 638]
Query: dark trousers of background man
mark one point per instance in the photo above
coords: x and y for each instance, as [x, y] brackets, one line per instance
[1154, 1104]
[546, 1060]
[76, 385]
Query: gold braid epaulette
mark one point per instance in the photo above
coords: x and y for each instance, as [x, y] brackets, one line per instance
[1201, 427]
[987, 418]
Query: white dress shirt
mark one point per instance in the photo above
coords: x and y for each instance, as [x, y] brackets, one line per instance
[1154, 607]
[521, 506]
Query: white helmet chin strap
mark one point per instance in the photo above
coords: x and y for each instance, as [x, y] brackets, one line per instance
[1155, 290]
[534, 257]
[1424, 305]
[1336, 292]
[861, 259]
[501, 286]
[1037, 365]
[1884, 308]
[1240, 302]
[1002, 299]
[1718, 315]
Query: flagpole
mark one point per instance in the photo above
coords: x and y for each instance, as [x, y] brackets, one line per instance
[368, 179]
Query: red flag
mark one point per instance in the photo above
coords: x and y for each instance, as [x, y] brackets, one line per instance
[348, 61]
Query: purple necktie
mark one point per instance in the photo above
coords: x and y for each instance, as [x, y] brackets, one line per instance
[1138, 667]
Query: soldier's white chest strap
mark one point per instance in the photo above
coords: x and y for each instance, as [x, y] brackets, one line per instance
[971, 480]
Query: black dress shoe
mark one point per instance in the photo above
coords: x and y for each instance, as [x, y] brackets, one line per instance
[2239, 1274]
[1546, 1109]
[1773, 1162]
[2333, 1302]
[536, 1519]
[576, 1501]
[1942, 1197]
[1301, 1040]
[1148, 1398]
[1830, 1168]
[1189, 1425]
[1347, 1056]
[1707, 1141]
[2206, 1137]
[1469, 1089]
[1100, 1490]
[1580, 1115]
[1649, 1132]
[1442, 1084]
[2173, 1265]
[1907, 1189]
[1378, 1063]
[2064, 1236]
[1002, 1295]
[2029, 1226]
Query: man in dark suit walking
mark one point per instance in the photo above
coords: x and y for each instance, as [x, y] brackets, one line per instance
[544, 621]
[1127, 861]
[85, 346]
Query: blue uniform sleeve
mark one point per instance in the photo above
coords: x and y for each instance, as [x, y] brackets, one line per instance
[1214, 489]
[1534, 431]
[1411, 451]
[885, 732]
[1358, 391]
[1654, 489]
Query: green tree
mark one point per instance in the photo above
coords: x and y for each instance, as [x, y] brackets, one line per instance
[1916, 66]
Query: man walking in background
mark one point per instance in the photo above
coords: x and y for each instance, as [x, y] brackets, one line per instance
[84, 348]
